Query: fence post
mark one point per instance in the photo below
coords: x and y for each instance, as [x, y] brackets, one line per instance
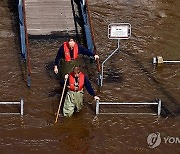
[97, 107]
[22, 107]
[159, 107]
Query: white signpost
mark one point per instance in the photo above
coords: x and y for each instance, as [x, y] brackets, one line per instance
[116, 31]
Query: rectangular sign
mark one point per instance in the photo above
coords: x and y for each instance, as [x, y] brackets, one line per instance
[119, 31]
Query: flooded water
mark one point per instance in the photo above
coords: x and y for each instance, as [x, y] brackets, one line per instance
[129, 77]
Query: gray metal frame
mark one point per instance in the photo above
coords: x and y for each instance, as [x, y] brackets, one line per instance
[158, 103]
[21, 103]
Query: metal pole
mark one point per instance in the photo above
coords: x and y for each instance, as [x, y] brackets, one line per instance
[126, 103]
[22, 107]
[128, 113]
[97, 107]
[118, 46]
[171, 61]
[159, 107]
[9, 103]
[83, 2]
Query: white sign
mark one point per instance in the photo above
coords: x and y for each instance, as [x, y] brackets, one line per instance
[119, 31]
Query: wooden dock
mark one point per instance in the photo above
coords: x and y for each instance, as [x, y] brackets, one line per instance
[45, 17]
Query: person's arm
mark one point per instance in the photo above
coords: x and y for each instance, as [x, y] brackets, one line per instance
[58, 57]
[88, 86]
[84, 51]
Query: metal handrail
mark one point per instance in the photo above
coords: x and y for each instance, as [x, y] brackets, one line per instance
[102, 70]
[24, 38]
[92, 33]
[88, 29]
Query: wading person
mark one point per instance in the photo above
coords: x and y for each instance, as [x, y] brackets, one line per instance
[69, 53]
[76, 81]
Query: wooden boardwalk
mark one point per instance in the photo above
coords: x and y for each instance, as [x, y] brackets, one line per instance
[46, 17]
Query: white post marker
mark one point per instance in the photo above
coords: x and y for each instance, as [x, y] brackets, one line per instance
[116, 31]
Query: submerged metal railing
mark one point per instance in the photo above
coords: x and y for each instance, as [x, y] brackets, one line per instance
[87, 28]
[159, 60]
[21, 103]
[157, 102]
[102, 70]
[24, 38]
[89, 32]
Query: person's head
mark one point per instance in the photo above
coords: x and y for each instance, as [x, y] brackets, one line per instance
[76, 69]
[71, 42]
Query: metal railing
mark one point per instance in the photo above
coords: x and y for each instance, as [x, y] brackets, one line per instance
[102, 70]
[157, 102]
[89, 32]
[24, 38]
[159, 60]
[21, 103]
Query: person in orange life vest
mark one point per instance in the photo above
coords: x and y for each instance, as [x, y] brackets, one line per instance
[69, 52]
[77, 80]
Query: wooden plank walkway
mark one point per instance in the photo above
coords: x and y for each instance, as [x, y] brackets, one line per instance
[46, 17]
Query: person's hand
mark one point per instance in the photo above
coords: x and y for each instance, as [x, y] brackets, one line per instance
[96, 57]
[55, 69]
[96, 98]
[66, 76]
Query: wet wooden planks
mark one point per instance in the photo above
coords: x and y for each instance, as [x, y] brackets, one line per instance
[45, 17]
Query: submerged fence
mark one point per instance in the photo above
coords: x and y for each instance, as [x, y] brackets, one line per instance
[21, 103]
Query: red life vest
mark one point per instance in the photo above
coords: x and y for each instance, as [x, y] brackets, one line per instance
[72, 81]
[67, 52]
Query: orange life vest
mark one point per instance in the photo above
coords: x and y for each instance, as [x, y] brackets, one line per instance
[72, 81]
[67, 52]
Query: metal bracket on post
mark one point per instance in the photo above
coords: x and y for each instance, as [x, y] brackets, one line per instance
[21, 103]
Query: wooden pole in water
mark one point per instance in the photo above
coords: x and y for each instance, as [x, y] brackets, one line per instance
[60, 101]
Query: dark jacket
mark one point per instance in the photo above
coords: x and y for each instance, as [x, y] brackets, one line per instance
[81, 50]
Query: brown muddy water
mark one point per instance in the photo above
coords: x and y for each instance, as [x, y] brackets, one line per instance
[129, 77]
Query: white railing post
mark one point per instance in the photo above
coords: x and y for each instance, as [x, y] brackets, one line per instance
[97, 107]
